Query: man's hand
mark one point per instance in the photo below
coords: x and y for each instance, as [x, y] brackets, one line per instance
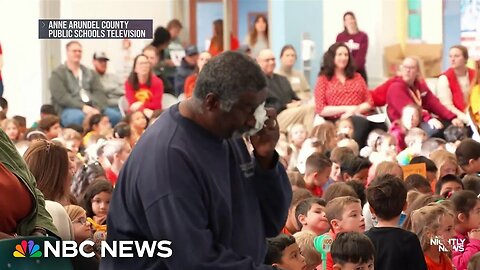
[435, 124]
[89, 110]
[457, 122]
[265, 140]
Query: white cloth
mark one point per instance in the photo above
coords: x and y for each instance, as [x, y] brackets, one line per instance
[61, 220]
[444, 94]
[367, 215]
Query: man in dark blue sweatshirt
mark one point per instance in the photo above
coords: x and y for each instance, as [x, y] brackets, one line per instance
[190, 179]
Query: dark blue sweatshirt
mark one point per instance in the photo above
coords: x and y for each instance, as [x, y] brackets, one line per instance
[204, 194]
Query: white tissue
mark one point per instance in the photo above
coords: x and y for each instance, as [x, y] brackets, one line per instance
[260, 115]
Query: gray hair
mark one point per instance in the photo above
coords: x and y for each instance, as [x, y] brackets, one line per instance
[112, 147]
[228, 75]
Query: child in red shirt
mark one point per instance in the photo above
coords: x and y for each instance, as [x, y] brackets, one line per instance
[317, 171]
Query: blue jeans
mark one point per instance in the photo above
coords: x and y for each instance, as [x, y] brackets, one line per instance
[75, 116]
[113, 114]
[72, 116]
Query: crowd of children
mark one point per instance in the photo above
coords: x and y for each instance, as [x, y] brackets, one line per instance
[83, 165]
[357, 208]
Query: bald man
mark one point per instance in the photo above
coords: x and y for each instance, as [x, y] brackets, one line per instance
[280, 94]
[290, 108]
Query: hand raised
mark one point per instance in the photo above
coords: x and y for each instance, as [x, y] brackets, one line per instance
[265, 140]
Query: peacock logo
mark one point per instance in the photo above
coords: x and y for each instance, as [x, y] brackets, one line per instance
[27, 250]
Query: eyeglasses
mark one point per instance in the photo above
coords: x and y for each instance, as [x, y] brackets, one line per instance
[409, 67]
[269, 59]
[81, 220]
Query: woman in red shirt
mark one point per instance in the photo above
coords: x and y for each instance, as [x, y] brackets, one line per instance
[143, 89]
[216, 43]
[192, 79]
[340, 92]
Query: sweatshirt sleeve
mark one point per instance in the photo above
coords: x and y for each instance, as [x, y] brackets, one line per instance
[432, 104]
[397, 99]
[274, 194]
[183, 216]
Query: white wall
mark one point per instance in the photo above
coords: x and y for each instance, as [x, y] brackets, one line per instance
[374, 17]
[21, 54]
[432, 21]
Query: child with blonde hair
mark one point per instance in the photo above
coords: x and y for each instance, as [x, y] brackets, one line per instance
[387, 150]
[11, 128]
[350, 143]
[305, 241]
[82, 231]
[345, 126]
[323, 138]
[446, 163]
[411, 118]
[413, 140]
[344, 215]
[297, 134]
[434, 226]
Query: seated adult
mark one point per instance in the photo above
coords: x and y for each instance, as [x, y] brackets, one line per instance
[203, 58]
[151, 53]
[143, 89]
[76, 90]
[282, 98]
[216, 42]
[409, 88]
[18, 185]
[186, 68]
[297, 80]
[112, 84]
[173, 51]
[454, 85]
[342, 93]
